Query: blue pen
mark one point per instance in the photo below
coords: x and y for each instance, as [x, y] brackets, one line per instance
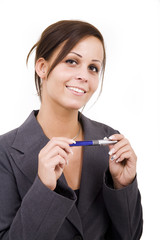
[102, 142]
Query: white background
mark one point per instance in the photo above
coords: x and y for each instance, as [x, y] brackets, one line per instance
[130, 99]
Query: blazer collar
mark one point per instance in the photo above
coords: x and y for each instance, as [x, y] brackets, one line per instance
[29, 134]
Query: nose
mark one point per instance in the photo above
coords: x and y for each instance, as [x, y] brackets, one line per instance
[82, 75]
[81, 78]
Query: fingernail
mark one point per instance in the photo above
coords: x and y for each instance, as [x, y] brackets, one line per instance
[117, 160]
[105, 138]
[113, 157]
[73, 141]
[111, 151]
[112, 137]
[71, 151]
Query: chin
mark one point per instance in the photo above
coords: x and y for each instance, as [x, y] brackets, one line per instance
[75, 106]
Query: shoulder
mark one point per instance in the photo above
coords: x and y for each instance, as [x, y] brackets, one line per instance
[7, 139]
[104, 127]
[98, 128]
[20, 136]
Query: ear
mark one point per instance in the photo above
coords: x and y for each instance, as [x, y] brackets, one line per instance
[41, 68]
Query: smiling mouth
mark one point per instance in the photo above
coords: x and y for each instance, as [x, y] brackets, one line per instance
[76, 89]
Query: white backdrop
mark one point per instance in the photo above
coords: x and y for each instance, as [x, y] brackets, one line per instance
[130, 99]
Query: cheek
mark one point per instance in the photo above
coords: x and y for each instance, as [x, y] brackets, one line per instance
[95, 84]
[59, 76]
[55, 79]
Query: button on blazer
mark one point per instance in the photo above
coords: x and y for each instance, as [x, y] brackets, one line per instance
[31, 211]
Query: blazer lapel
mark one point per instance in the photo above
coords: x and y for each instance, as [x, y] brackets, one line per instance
[75, 219]
[73, 216]
[94, 165]
[28, 142]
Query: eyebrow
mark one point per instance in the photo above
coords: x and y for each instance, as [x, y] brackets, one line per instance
[94, 60]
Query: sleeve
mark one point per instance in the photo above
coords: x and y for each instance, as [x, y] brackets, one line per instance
[125, 210]
[39, 215]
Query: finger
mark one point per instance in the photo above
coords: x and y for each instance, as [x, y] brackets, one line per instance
[61, 166]
[116, 137]
[111, 146]
[124, 156]
[130, 156]
[58, 160]
[118, 146]
[56, 142]
[120, 152]
[56, 151]
[64, 139]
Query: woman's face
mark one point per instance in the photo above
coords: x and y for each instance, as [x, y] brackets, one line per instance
[74, 80]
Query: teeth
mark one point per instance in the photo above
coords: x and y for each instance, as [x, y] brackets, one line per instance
[76, 89]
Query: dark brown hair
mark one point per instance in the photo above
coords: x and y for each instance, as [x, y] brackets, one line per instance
[71, 31]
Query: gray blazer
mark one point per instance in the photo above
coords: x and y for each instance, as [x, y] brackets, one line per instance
[31, 211]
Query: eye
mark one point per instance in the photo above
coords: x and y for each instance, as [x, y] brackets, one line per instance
[71, 61]
[93, 68]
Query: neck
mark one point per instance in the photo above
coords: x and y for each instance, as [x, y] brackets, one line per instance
[58, 122]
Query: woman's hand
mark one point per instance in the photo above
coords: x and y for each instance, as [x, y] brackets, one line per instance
[52, 159]
[122, 161]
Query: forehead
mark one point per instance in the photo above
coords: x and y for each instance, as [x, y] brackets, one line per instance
[90, 47]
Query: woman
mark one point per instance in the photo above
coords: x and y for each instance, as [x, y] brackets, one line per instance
[50, 190]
